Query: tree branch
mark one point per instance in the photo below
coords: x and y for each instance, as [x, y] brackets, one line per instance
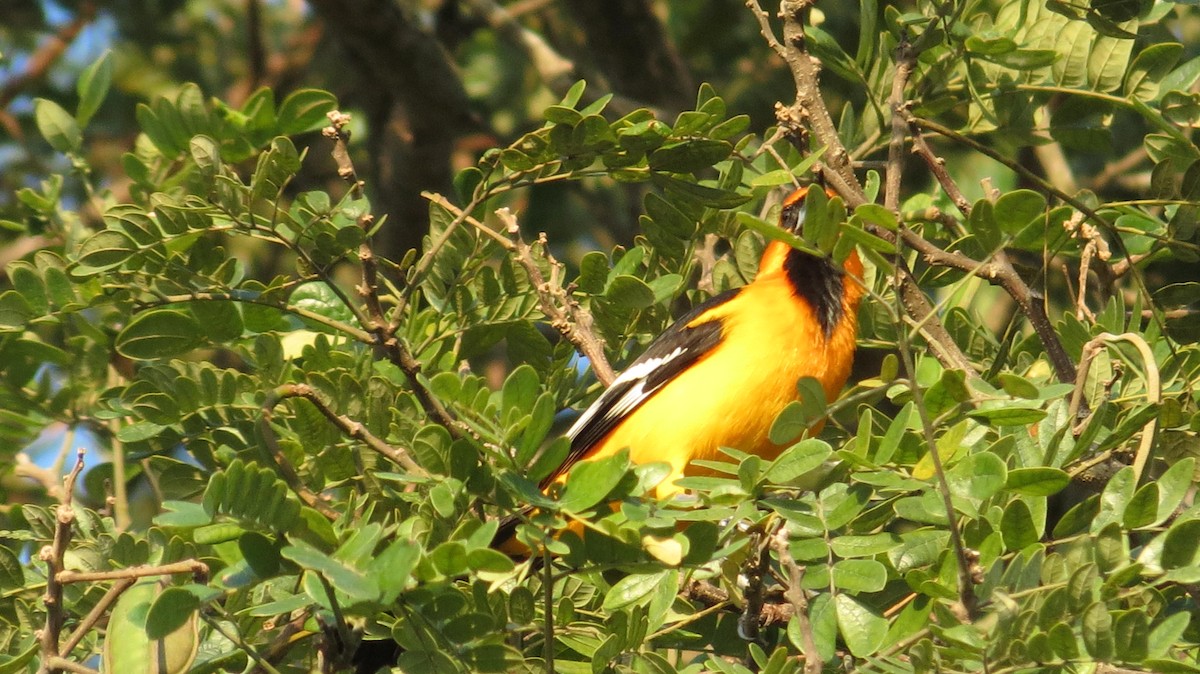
[571, 320]
[809, 111]
[53, 555]
[799, 601]
[905, 62]
[382, 330]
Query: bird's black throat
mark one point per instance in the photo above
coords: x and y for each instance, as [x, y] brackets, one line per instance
[818, 281]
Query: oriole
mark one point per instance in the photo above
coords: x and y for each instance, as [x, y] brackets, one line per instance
[720, 375]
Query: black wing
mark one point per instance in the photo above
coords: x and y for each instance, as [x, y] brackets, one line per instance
[668, 355]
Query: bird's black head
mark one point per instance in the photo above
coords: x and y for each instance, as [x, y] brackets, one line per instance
[816, 279]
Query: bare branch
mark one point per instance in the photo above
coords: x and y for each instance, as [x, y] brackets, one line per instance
[383, 331]
[937, 166]
[53, 555]
[89, 621]
[905, 62]
[347, 426]
[566, 315]
[1000, 272]
[799, 601]
[193, 566]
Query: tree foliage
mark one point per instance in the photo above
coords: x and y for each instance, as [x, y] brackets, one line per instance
[310, 439]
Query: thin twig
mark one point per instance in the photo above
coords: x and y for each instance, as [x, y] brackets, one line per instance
[1001, 272]
[94, 615]
[809, 111]
[197, 568]
[566, 315]
[55, 663]
[966, 588]
[275, 453]
[375, 322]
[368, 290]
[347, 426]
[53, 555]
[905, 62]
[799, 601]
[548, 608]
[351, 428]
[937, 166]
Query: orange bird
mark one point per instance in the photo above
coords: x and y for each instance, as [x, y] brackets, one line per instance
[721, 374]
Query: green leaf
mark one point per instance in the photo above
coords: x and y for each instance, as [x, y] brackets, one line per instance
[561, 114]
[977, 477]
[1166, 634]
[689, 155]
[775, 233]
[1017, 527]
[260, 553]
[1108, 57]
[800, 415]
[861, 628]
[1016, 209]
[891, 438]
[184, 514]
[207, 155]
[129, 649]
[394, 566]
[520, 389]
[1150, 66]
[1017, 386]
[918, 548]
[1173, 485]
[12, 576]
[1010, 416]
[590, 481]
[304, 110]
[159, 333]
[15, 311]
[797, 460]
[628, 294]
[343, 577]
[1115, 497]
[170, 611]
[1182, 78]
[1025, 59]
[877, 215]
[220, 321]
[859, 575]
[706, 196]
[637, 589]
[1143, 507]
[1111, 549]
[1181, 548]
[1037, 481]
[319, 298]
[92, 87]
[864, 546]
[1097, 631]
[571, 99]
[104, 250]
[57, 126]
